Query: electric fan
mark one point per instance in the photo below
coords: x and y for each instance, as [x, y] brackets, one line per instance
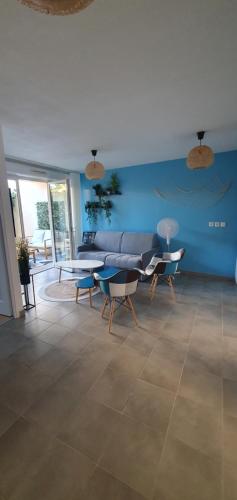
[167, 229]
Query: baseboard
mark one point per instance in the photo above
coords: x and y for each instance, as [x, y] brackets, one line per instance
[208, 276]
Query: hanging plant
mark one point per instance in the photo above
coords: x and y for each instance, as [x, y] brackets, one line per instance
[106, 206]
[92, 208]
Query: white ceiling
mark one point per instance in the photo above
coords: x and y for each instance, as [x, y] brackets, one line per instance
[135, 78]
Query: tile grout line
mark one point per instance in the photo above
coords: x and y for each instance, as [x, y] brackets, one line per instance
[53, 381]
[164, 447]
[120, 481]
[131, 392]
[174, 402]
[121, 412]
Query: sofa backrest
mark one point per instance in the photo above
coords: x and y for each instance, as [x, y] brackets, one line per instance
[109, 241]
[137, 243]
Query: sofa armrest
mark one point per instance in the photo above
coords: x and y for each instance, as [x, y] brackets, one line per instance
[147, 256]
[86, 248]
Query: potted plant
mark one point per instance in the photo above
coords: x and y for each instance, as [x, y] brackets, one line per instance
[23, 261]
[114, 186]
[99, 191]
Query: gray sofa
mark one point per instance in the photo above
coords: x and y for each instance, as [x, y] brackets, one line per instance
[121, 249]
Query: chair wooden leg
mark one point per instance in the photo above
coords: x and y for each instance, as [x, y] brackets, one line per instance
[154, 287]
[111, 315]
[90, 295]
[170, 283]
[104, 306]
[151, 291]
[77, 294]
[152, 283]
[131, 307]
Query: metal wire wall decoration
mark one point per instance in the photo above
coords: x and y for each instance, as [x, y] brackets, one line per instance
[201, 197]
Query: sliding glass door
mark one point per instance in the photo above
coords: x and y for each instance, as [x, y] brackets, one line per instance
[42, 211]
[61, 219]
[16, 208]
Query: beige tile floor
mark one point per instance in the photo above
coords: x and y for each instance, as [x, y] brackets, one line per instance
[148, 412]
[3, 319]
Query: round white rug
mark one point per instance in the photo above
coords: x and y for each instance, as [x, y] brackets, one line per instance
[65, 291]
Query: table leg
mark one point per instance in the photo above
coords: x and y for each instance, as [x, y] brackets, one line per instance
[60, 273]
[33, 288]
[27, 305]
[26, 295]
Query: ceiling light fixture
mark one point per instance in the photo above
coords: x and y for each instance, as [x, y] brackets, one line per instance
[200, 156]
[57, 7]
[94, 169]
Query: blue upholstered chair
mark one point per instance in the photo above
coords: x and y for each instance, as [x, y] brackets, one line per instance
[166, 268]
[86, 283]
[118, 289]
[89, 283]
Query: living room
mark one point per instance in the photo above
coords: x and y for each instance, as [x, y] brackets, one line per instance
[118, 250]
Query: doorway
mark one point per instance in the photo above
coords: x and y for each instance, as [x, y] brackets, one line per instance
[59, 207]
[42, 215]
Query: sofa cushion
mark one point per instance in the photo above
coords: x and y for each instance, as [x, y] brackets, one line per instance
[138, 243]
[92, 255]
[109, 241]
[123, 261]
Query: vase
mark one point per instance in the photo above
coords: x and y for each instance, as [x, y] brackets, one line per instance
[24, 271]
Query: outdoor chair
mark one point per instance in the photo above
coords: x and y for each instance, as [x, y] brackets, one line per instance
[40, 241]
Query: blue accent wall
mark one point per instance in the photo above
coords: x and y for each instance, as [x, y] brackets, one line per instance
[193, 198]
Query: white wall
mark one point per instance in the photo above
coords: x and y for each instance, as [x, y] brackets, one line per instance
[5, 297]
[32, 171]
[11, 301]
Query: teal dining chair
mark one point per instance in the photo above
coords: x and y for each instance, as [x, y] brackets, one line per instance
[88, 282]
[118, 289]
[166, 269]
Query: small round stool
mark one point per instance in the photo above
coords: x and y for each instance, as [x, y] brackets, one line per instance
[83, 284]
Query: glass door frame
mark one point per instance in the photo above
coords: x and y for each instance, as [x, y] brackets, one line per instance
[18, 194]
[65, 181]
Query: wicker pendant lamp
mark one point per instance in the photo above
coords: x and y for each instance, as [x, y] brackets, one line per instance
[94, 169]
[200, 156]
[57, 7]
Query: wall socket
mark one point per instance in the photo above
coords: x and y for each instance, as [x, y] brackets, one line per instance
[221, 224]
